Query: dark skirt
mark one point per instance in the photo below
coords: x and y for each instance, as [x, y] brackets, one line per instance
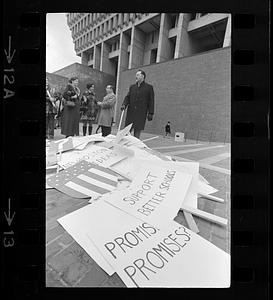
[70, 120]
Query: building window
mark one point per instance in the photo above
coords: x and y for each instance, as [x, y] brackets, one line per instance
[173, 45]
[174, 20]
[153, 56]
[153, 37]
[193, 17]
[203, 14]
[91, 56]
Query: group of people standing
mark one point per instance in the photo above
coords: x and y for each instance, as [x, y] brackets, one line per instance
[74, 108]
[79, 108]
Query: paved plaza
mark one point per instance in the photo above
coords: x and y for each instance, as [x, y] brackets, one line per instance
[67, 264]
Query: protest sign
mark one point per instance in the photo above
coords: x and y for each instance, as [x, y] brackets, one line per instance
[205, 189]
[145, 255]
[93, 154]
[84, 180]
[127, 166]
[123, 151]
[155, 194]
[65, 144]
[51, 154]
[201, 178]
[77, 224]
[84, 140]
[122, 133]
[157, 154]
[191, 168]
[130, 140]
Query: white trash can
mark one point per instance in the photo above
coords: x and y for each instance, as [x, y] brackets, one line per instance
[179, 137]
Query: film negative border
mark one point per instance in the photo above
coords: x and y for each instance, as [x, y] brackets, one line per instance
[23, 204]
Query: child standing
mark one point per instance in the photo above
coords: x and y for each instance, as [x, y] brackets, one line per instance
[168, 129]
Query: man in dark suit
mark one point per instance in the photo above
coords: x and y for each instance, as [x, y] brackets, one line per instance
[139, 103]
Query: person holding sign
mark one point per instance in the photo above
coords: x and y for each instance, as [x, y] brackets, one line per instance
[50, 112]
[106, 114]
[71, 112]
[139, 103]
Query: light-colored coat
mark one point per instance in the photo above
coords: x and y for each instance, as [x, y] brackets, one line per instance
[106, 113]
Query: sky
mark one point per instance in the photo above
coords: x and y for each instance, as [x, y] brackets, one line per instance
[59, 43]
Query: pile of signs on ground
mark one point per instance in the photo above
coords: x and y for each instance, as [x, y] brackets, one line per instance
[128, 224]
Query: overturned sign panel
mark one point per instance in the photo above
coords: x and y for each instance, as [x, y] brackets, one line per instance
[93, 154]
[145, 255]
[84, 180]
[155, 194]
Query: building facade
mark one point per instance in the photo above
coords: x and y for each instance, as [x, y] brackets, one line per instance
[113, 42]
[118, 42]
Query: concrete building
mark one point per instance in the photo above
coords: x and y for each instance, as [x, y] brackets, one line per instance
[119, 43]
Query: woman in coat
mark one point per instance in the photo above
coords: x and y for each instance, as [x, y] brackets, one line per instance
[50, 112]
[89, 108]
[71, 111]
[106, 113]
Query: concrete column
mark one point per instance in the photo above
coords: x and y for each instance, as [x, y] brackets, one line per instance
[105, 28]
[184, 45]
[137, 48]
[132, 17]
[227, 38]
[105, 64]
[115, 23]
[120, 20]
[97, 56]
[101, 31]
[126, 19]
[84, 58]
[123, 62]
[110, 26]
[164, 51]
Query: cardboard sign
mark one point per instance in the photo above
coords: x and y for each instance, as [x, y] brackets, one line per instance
[81, 142]
[145, 255]
[190, 168]
[65, 145]
[205, 189]
[84, 180]
[51, 155]
[127, 166]
[93, 154]
[130, 140]
[122, 133]
[123, 151]
[77, 224]
[155, 194]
